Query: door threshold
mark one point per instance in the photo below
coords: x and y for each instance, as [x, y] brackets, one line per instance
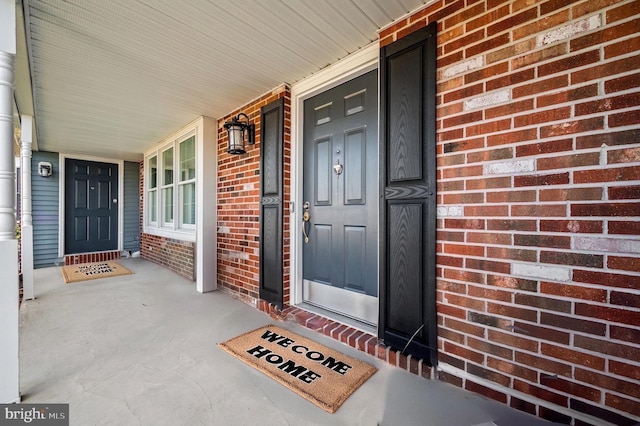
[343, 319]
[341, 301]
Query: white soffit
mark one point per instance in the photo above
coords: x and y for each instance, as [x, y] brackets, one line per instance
[112, 78]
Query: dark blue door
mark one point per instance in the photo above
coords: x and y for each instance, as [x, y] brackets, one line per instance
[91, 206]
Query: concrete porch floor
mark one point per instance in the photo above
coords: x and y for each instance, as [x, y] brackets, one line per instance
[141, 349]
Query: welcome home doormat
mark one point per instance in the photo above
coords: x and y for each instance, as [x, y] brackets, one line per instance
[92, 271]
[320, 374]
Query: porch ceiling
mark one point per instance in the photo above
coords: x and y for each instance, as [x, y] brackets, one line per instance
[112, 78]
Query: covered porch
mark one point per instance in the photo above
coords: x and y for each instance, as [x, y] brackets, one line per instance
[141, 349]
[456, 180]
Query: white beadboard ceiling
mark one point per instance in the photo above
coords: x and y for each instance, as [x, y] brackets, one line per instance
[113, 78]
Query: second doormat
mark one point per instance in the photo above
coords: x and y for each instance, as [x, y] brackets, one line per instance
[92, 271]
[320, 374]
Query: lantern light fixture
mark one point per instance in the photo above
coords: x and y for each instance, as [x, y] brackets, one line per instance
[236, 130]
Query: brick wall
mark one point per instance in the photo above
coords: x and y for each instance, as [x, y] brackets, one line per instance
[239, 204]
[539, 202]
[176, 255]
[179, 256]
[102, 256]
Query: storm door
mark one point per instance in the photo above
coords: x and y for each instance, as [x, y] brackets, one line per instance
[91, 206]
[340, 195]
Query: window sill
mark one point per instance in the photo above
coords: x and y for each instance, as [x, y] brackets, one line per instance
[182, 235]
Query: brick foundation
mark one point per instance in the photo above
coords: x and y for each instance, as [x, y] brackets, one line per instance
[177, 255]
[103, 256]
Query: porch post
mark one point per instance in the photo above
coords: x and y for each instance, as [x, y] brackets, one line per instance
[9, 375]
[26, 222]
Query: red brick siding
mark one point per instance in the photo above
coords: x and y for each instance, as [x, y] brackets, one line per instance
[178, 256]
[103, 256]
[538, 196]
[239, 205]
[538, 255]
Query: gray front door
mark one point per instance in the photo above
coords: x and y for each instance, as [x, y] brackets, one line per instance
[340, 191]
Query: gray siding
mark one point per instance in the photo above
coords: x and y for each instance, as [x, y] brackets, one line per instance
[131, 206]
[45, 205]
[45, 201]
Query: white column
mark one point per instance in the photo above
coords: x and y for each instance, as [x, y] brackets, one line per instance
[207, 223]
[7, 158]
[9, 368]
[26, 222]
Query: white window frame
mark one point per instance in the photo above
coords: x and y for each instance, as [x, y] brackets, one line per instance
[182, 183]
[148, 190]
[161, 227]
[162, 186]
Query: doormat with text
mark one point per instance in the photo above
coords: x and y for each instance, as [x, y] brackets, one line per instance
[320, 374]
[92, 271]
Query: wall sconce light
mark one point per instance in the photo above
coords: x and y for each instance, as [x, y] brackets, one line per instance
[45, 168]
[236, 130]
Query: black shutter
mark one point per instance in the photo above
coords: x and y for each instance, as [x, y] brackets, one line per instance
[408, 203]
[271, 191]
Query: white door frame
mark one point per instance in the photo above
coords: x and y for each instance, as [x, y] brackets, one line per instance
[354, 65]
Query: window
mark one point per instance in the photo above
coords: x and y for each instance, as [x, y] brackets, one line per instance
[171, 186]
[187, 184]
[152, 192]
[167, 187]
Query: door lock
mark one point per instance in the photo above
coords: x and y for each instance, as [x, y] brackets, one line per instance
[337, 168]
[306, 217]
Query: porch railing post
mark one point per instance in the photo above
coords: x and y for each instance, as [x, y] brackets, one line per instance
[9, 365]
[26, 222]
[7, 155]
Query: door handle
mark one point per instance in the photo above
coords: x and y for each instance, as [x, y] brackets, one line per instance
[306, 217]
